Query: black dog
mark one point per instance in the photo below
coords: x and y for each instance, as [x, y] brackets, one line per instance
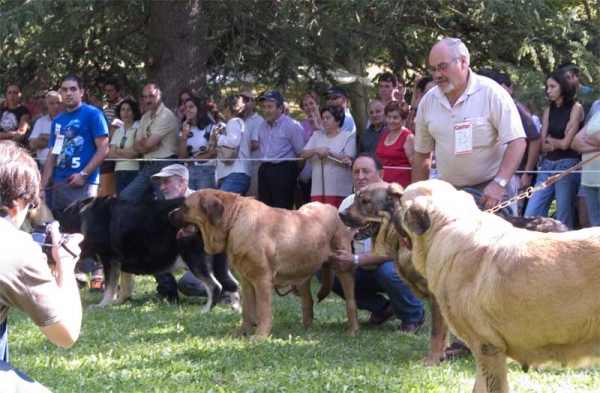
[138, 238]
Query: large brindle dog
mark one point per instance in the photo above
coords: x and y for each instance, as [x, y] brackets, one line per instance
[505, 291]
[374, 210]
[138, 238]
[270, 248]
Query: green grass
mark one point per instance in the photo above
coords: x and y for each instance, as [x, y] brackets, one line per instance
[151, 346]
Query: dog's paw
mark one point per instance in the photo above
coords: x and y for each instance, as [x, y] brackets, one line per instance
[353, 331]
[238, 332]
[433, 360]
[258, 337]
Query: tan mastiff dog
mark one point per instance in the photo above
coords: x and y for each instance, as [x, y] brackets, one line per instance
[506, 292]
[270, 248]
[374, 210]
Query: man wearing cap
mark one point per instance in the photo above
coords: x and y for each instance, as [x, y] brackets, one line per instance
[339, 96]
[252, 121]
[173, 180]
[156, 138]
[279, 138]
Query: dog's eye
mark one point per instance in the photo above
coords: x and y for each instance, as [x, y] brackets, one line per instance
[365, 201]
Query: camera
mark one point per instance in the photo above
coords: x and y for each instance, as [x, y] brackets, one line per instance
[41, 235]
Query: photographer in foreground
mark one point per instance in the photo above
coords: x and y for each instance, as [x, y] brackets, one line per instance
[49, 298]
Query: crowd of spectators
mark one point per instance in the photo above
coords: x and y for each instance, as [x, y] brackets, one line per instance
[461, 126]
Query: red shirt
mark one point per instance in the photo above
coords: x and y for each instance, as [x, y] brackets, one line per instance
[394, 155]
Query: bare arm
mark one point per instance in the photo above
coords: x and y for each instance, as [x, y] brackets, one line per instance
[421, 166]
[39, 143]
[512, 158]
[77, 180]
[545, 145]
[47, 173]
[572, 128]
[583, 143]
[409, 147]
[65, 332]
[530, 165]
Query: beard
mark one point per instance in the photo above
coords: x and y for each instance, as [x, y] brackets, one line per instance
[448, 89]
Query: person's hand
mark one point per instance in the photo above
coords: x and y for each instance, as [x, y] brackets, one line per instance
[492, 195]
[314, 120]
[185, 131]
[341, 260]
[66, 254]
[525, 181]
[322, 152]
[346, 161]
[76, 180]
[115, 124]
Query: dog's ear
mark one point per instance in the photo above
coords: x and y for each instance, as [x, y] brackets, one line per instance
[416, 218]
[395, 191]
[214, 208]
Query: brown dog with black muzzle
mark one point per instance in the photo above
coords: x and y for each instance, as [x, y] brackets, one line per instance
[375, 211]
[270, 248]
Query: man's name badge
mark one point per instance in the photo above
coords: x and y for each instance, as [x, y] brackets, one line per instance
[463, 138]
[58, 144]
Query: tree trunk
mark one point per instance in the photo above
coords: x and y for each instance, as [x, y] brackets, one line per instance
[359, 94]
[176, 48]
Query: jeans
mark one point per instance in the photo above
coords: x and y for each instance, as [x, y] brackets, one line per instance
[142, 188]
[190, 286]
[369, 286]
[202, 176]
[122, 180]
[564, 191]
[166, 285]
[13, 380]
[235, 182]
[592, 197]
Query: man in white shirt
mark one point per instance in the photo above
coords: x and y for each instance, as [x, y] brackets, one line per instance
[376, 276]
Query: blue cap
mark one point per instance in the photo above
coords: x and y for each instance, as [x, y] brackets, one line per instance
[272, 95]
[337, 90]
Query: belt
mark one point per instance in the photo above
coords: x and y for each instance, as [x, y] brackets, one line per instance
[158, 162]
[277, 163]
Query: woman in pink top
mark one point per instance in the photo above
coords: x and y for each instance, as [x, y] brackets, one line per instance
[397, 145]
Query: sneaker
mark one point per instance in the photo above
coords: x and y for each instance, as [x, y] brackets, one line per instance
[81, 279]
[380, 317]
[412, 327]
[97, 285]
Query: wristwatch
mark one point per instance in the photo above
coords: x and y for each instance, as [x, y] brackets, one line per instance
[500, 181]
[356, 261]
[84, 174]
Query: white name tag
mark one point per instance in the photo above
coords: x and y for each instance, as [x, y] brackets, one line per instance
[368, 244]
[58, 144]
[463, 138]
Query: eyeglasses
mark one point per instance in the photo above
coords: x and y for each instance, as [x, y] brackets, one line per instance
[333, 98]
[442, 66]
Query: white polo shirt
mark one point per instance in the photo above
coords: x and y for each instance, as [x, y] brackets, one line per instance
[494, 122]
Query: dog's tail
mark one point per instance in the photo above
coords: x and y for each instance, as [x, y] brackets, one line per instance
[327, 277]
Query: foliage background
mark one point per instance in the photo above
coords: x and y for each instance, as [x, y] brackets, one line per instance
[289, 44]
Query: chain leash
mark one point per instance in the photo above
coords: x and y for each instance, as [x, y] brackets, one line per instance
[549, 181]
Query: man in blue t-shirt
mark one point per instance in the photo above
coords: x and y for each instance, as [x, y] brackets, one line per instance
[78, 145]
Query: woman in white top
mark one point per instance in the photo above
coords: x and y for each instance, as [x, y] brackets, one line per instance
[232, 144]
[331, 152]
[193, 143]
[121, 144]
